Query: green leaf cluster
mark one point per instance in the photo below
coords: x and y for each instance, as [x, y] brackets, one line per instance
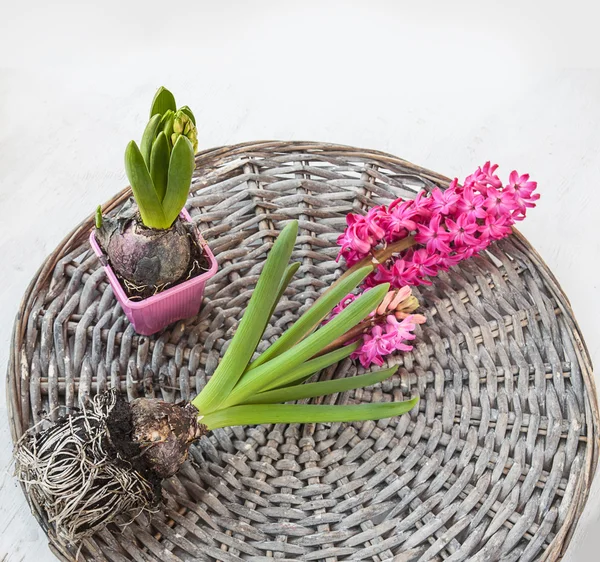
[160, 169]
[244, 392]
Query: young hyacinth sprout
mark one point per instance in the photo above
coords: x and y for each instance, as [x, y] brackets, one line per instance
[98, 217]
[160, 170]
[157, 435]
[153, 250]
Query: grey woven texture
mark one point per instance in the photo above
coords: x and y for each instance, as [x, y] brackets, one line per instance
[494, 464]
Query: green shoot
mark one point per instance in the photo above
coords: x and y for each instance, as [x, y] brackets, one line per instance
[300, 413]
[252, 325]
[160, 171]
[98, 217]
[312, 390]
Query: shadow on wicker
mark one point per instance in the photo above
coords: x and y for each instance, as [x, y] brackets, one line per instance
[495, 465]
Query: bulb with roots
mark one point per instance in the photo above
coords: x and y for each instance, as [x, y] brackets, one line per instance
[105, 462]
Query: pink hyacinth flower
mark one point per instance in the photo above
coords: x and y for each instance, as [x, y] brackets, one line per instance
[499, 202]
[522, 190]
[375, 346]
[397, 222]
[462, 232]
[444, 202]
[495, 227]
[424, 262]
[471, 204]
[483, 178]
[434, 236]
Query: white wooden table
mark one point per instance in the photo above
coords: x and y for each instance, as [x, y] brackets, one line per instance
[447, 88]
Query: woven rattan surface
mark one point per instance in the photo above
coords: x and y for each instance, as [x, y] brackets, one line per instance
[496, 464]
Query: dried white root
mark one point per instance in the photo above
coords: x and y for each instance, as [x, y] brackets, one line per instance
[75, 473]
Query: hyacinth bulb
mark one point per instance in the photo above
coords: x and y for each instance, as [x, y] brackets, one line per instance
[145, 256]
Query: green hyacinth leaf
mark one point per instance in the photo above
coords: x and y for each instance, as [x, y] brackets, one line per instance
[144, 193]
[300, 413]
[181, 168]
[162, 102]
[159, 165]
[313, 316]
[188, 112]
[285, 281]
[259, 378]
[252, 325]
[152, 129]
[166, 125]
[307, 369]
[315, 389]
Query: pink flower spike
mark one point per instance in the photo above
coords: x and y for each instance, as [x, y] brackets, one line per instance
[448, 226]
[434, 236]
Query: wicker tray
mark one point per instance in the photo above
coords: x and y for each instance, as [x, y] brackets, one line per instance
[495, 465]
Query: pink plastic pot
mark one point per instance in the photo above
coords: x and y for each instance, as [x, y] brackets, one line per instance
[151, 315]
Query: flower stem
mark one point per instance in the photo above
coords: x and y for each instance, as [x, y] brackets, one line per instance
[382, 255]
[347, 337]
[378, 257]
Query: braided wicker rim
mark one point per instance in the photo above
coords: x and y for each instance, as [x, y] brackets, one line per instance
[496, 464]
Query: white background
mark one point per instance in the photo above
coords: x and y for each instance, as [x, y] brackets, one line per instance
[447, 85]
